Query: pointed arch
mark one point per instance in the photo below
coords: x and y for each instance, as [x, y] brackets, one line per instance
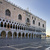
[15, 35]
[3, 34]
[11, 26]
[9, 34]
[1, 24]
[23, 35]
[5, 24]
[19, 34]
[26, 35]
[7, 12]
[29, 35]
[8, 25]
[16, 26]
[20, 17]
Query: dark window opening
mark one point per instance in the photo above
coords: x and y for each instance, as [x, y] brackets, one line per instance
[7, 12]
[5, 25]
[6, 20]
[0, 19]
[1, 24]
[28, 20]
[19, 17]
[0, 2]
[39, 23]
[16, 26]
[32, 17]
[13, 26]
[8, 25]
[43, 25]
[3, 20]
[20, 27]
[33, 21]
[9, 21]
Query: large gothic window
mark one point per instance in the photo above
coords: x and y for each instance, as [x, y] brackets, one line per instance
[39, 24]
[43, 25]
[19, 17]
[7, 12]
[33, 21]
[28, 20]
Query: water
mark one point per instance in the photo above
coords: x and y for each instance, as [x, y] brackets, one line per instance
[36, 43]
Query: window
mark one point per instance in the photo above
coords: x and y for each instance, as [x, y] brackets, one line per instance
[39, 24]
[33, 21]
[43, 25]
[14, 8]
[32, 17]
[4, 24]
[19, 17]
[14, 26]
[3, 20]
[11, 26]
[0, 19]
[9, 21]
[8, 25]
[7, 12]
[0, 2]
[35, 18]
[28, 20]
[1, 24]
[6, 20]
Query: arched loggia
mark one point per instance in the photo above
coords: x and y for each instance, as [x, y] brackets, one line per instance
[29, 35]
[15, 35]
[19, 34]
[3, 34]
[26, 35]
[9, 34]
[23, 35]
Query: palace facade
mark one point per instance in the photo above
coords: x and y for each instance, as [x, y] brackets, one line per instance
[18, 23]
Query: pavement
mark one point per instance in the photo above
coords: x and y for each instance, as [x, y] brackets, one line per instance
[24, 44]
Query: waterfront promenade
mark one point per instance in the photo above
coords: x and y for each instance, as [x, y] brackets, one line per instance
[24, 44]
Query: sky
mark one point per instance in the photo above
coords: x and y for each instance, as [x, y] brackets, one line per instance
[40, 8]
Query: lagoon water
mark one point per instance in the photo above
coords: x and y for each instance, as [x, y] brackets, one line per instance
[24, 44]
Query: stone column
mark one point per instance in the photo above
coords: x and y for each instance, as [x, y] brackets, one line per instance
[17, 27]
[6, 34]
[12, 34]
[21, 35]
[17, 34]
[12, 26]
[28, 35]
[3, 24]
[33, 35]
[25, 35]
[0, 34]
